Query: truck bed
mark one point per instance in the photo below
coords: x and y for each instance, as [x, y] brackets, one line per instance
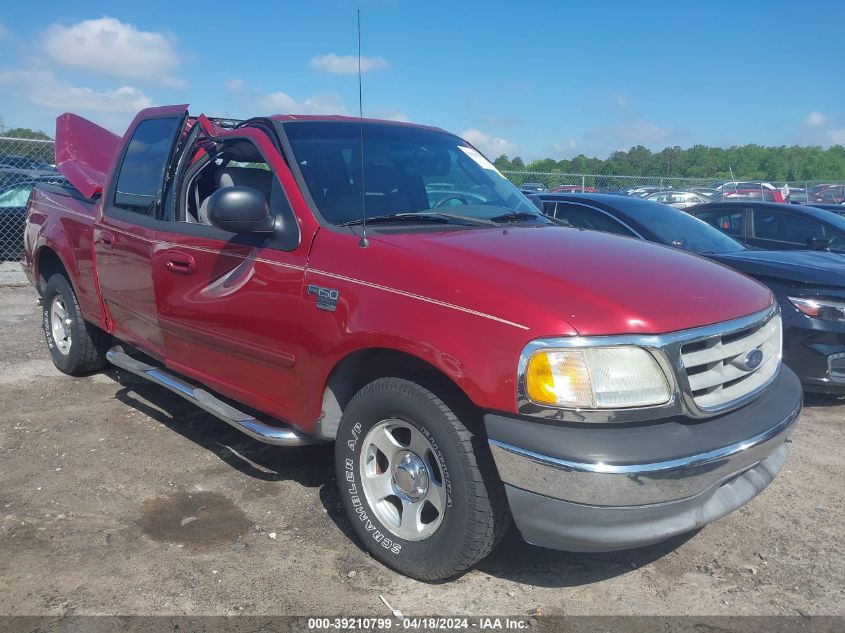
[62, 219]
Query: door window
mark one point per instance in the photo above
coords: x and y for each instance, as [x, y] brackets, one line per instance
[141, 176]
[785, 227]
[729, 222]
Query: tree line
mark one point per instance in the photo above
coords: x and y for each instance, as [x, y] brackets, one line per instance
[45, 152]
[752, 162]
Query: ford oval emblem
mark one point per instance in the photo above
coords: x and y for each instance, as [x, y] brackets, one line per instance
[753, 359]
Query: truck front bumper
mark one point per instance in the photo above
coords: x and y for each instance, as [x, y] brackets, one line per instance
[603, 487]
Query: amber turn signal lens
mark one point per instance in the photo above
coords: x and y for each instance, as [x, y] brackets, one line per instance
[559, 379]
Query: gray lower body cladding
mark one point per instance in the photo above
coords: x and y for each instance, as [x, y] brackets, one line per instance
[604, 487]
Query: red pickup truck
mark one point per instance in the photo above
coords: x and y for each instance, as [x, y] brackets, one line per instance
[471, 359]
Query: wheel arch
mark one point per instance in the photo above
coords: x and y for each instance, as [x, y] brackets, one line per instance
[47, 262]
[362, 366]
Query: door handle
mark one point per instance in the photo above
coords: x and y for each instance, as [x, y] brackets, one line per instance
[107, 239]
[179, 263]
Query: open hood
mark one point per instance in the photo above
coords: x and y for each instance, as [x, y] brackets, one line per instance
[84, 152]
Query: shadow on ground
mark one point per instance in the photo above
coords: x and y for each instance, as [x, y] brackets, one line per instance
[517, 561]
[313, 466]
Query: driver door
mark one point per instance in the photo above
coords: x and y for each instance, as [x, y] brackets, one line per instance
[229, 304]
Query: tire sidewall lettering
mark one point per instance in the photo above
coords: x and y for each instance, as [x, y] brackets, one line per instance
[357, 502]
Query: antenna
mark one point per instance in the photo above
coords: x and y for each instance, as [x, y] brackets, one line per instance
[364, 242]
[736, 184]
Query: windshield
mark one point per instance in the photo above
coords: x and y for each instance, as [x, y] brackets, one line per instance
[681, 230]
[405, 170]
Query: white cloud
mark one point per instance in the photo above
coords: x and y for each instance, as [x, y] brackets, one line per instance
[621, 101]
[640, 131]
[566, 148]
[836, 137]
[4, 31]
[815, 119]
[388, 114]
[347, 64]
[490, 145]
[283, 103]
[235, 85]
[111, 47]
[42, 88]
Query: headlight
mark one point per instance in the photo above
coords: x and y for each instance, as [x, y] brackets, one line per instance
[820, 308]
[596, 378]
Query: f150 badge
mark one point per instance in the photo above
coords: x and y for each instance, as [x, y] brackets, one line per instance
[326, 297]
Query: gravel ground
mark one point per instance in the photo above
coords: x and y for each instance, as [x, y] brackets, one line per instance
[119, 498]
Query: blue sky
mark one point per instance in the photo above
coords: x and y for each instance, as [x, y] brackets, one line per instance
[533, 79]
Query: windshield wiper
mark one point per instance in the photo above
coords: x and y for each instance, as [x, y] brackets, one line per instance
[428, 216]
[519, 216]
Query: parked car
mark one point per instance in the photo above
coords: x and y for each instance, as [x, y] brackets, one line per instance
[797, 195]
[17, 168]
[573, 189]
[835, 208]
[469, 363]
[533, 187]
[677, 199]
[13, 200]
[808, 285]
[775, 226]
[708, 192]
[764, 195]
[829, 194]
[733, 185]
[642, 191]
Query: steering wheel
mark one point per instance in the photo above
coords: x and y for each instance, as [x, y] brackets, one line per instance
[455, 196]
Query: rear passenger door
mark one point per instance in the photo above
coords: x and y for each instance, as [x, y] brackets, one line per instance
[775, 230]
[124, 236]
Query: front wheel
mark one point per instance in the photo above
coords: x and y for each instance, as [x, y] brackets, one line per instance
[76, 347]
[419, 488]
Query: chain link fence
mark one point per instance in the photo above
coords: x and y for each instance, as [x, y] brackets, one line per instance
[768, 190]
[24, 162]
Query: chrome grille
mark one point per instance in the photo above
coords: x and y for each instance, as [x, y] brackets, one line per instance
[716, 369]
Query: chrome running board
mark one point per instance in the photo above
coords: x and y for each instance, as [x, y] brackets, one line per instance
[275, 435]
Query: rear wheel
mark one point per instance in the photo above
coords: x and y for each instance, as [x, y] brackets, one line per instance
[419, 487]
[76, 347]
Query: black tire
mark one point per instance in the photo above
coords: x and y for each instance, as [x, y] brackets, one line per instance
[88, 344]
[475, 517]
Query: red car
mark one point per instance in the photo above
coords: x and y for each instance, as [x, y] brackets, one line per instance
[470, 358]
[766, 195]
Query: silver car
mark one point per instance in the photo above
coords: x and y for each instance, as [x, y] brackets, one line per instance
[678, 199]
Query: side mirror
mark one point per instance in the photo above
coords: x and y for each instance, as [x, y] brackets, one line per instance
[818, 244]
[240, 210]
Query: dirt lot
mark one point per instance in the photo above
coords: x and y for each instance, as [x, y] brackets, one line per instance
[119, 498]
